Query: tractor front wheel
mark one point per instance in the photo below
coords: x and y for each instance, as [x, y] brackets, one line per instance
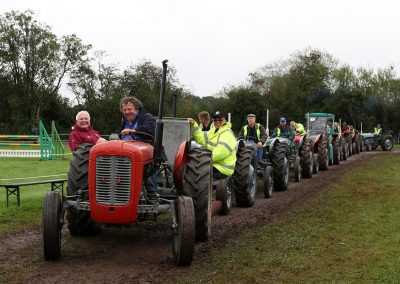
[224, 194]
[184, 232]
[52, 225]
[297, 169]
[268, 182]
[306, 161]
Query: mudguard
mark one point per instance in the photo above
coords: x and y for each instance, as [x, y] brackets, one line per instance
[180, 162]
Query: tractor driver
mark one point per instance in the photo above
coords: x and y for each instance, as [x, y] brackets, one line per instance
[136, 119]
[255, 132]
[377, 132]
[221, 141]
[298, 128]
[283, 130]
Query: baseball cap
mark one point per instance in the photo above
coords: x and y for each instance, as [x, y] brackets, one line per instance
[251, 115]
[218, 114]
[282, 119]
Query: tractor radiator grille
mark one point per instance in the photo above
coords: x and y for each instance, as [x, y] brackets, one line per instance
[113, 175]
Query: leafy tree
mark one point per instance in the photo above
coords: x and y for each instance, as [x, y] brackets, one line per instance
[35, 62]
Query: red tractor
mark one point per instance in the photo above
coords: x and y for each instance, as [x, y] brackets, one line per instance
[107, 185]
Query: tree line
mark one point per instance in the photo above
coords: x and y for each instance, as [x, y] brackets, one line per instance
[36, 66]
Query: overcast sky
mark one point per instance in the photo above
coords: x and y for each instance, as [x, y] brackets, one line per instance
[216, 43]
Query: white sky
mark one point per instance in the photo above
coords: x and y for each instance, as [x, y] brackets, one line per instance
[216, 43]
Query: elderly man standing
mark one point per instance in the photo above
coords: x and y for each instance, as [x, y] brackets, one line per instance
[221, 141]
[255, 132]
[82, 132]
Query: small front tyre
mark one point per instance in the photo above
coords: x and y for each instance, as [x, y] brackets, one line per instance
[268, 182]
[183, 231]
[52, 224]
[224, 194]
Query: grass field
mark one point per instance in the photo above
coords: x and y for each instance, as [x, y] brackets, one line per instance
[348, 233]
[12, 170]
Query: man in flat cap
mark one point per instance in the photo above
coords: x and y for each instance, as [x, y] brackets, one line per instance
[255, 132]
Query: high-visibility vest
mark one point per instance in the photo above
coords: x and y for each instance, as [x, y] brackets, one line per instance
[377, 131]
[246, 127]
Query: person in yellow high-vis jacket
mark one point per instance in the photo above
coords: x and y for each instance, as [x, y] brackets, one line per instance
[221, 141]
[255, 132]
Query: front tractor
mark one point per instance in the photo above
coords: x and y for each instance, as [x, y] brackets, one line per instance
[108, 184]
[371, 142]
[320, 129]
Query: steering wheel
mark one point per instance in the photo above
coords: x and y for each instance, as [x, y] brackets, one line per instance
[140, 133]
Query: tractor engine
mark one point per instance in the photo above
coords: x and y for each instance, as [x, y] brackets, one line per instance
[116, 171]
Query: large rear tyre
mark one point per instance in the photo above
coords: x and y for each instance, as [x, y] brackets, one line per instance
[52, 225]
[184, 233]
[323, 154]
[197, 184]
[280, 165]
[268, 182]
[387, 143]
[79, 222]
[306, 159]
[245, 177]
[336, 152]
[224, 194]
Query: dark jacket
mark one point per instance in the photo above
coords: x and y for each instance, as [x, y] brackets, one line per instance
[286, 132]
[252, 134]
[81, 135]
[146, 123]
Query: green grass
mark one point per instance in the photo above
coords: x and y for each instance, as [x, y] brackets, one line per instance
[29, 214]
[348, 233]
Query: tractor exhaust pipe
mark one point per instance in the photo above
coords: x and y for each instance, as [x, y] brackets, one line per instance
[160, 125]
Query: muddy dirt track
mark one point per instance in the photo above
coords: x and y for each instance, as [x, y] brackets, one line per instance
[141, 254]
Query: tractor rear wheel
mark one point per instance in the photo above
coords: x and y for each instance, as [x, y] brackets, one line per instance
[336, 152]
[280, 165]
[224, 194]
[268, 182]
[387, 143]
[184, 232]
[52, 225]
[306, 161]
[245, 177]
[323, 154]
[79, 222]
[197, 184]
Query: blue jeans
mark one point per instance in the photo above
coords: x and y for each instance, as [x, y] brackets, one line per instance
[260, 152]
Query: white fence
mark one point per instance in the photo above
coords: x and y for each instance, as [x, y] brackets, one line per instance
[20, 153]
